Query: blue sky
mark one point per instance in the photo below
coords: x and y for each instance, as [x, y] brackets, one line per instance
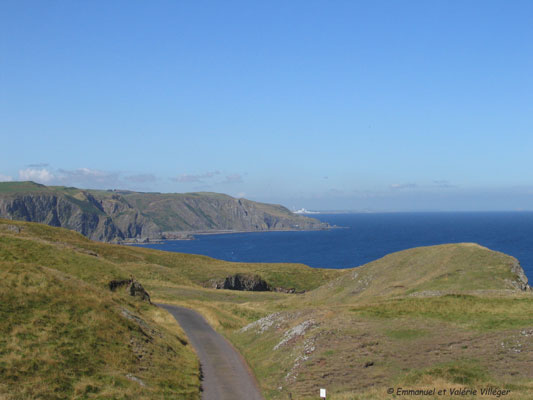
[353, 105]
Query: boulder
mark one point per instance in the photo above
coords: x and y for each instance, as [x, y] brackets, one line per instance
[132, 286]
[253, 283]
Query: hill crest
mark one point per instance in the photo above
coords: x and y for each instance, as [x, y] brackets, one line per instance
[427, 271]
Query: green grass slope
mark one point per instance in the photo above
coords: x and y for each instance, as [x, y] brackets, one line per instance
[22, 187]
[169, 277]
[64, 338]
[100, 262]
[441, 316]
[426, 271]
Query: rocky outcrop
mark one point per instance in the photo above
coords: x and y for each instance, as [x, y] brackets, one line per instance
[177, 236]
[133, 287]
[120, 215]
[10, 228]
[57, 210]
[520, 282]
[252, 283]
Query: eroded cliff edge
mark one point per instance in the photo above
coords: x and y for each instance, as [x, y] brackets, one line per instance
[116, 215]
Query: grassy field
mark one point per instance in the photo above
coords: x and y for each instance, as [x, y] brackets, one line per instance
[442, 317]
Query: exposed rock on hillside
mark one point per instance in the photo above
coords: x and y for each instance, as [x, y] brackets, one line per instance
[252, 283]
[246, 282]
[520, 281]
[133, 287]
[120, 215]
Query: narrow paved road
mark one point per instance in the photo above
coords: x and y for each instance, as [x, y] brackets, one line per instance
[226, 375]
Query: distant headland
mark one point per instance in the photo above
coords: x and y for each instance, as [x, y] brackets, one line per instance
[128, 216]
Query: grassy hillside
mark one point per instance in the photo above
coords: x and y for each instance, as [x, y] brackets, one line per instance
[65, 335]
[425, 271]
[441, 316]
[63, 338]
[22, 187]
[100, 262]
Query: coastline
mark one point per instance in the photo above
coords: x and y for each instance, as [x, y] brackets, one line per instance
[190, 235]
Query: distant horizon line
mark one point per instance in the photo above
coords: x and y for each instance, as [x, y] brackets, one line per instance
[315, 212]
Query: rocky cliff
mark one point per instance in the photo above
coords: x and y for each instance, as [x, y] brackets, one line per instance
[121, 215]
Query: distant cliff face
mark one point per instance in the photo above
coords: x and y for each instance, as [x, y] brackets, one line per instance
[119, 215]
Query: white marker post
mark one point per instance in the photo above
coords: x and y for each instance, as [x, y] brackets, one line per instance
[322, 393]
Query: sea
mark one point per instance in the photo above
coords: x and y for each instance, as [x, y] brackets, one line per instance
[361, 238]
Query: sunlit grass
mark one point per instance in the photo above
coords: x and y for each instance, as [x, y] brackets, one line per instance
[480, 313]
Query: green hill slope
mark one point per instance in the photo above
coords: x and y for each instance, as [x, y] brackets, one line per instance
[443, 317]
[99, 263]
[426, 271]
[63, 338]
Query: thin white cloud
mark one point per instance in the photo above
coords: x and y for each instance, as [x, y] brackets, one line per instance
[5, 178]
[233, 178]
[442, 183]
[90, 172]
[88, 178]
[335, 192]
[195, 178]
[399, 186]
[141, 178]
[40, 175]
[38, 165]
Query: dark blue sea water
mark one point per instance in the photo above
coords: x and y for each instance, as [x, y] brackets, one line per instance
[367, 237]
